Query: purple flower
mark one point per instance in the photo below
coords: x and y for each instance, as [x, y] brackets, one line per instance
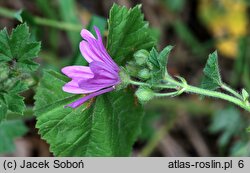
[100, 77]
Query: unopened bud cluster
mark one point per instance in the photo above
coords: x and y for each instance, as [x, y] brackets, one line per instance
[139, 68]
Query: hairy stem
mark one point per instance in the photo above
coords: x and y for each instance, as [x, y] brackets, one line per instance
[230, 90]
[204, 92]
[163, 86]
[166, 94]
[138, 83]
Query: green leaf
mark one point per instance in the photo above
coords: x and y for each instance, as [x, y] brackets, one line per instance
[244, 94]
[229, 122]
[10, 100]
[108, 127]
[17, 53]
[18, 50]
[163, 56]
[158, 62]
[15, 103]
[18, 87]
[212, 78]
[9, 130]
[128, 32]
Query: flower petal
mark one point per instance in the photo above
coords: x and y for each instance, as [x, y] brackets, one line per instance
[99, 68]
[93, 49]
[88, 53]
[86, 34]
[104, 51]
[97, 84]
[73, 87]
[103, 77]
[80, 101]
[78, 72]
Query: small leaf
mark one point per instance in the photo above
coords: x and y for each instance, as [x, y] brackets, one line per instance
[153, 59]
[245, 94]
[212, 78]
[128, 32]
[158, 63]
[9, 130]
[163, 56]
[18, 50]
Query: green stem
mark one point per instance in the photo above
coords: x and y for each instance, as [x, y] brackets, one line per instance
[166, 94]
[43, 21]
[156, 86]
[138, 83]
[215, 94]
[230, 90]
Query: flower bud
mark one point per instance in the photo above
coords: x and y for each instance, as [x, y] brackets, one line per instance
[144, 94]
[141, 57]
[132, 68]
[144, 74]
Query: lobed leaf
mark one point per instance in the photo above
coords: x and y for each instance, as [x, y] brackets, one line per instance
[158, 62]
[18, 50]
[17, 53]
[128, 32]
[212, 79]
